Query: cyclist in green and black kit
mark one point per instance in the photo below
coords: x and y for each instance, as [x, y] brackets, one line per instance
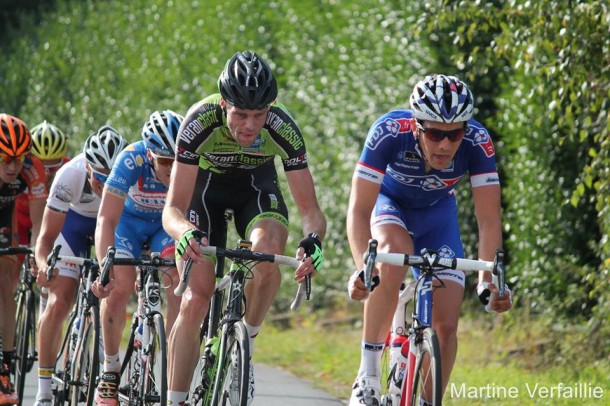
[225, 159]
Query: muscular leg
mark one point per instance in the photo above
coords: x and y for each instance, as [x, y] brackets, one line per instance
[267, 236]
[445, 314]
[171, 278]
[184, 337]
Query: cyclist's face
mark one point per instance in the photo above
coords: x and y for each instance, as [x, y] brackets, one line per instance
[97, 179]
[245, 125]
[439, 154]
[10, 167]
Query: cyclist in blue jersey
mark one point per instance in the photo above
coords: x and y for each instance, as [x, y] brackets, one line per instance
[129, 216]
[403, 196]
[226, 148]
[69, 220]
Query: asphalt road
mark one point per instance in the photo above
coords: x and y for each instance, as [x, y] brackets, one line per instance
[274, 387]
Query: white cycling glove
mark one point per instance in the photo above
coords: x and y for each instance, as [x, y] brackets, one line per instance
[486, 297]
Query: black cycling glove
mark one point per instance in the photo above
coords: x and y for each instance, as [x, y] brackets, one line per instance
[313, 248]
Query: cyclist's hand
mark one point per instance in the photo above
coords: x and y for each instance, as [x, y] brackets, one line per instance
[490, 298]
[356, 288]
[188, 245]
[41, 277]
[33, 267]
[312, 247]
[102, 291]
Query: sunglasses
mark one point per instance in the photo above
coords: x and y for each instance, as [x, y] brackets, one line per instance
[436, 135]
[5, 159]
[99, 176]
[162, 160]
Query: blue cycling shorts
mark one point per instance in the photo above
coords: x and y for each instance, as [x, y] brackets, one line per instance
[434, 227]
[132, 232]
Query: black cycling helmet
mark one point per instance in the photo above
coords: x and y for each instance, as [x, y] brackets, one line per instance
[246, 82]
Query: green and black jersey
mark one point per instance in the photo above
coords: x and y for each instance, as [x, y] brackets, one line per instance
[204, 139]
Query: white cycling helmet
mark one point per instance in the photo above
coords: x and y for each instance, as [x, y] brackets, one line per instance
[160, 132]
[103, 147]
[443, 99]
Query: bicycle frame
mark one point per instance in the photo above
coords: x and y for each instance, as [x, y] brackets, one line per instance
[428, 263]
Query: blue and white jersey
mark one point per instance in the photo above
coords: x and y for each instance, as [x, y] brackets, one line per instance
[392, 157]
[132, 175]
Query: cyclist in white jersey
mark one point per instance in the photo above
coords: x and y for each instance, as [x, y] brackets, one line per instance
[69, 219]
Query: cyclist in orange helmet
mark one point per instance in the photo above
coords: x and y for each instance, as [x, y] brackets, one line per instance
[20, 172]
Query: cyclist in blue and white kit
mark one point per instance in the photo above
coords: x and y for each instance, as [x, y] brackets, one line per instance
[129, 216]
[403, 196]
[69, 219]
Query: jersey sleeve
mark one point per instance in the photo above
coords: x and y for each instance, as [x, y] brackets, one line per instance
[378, 149]
[482, 165]
[36, 179]
[200, 122]
[127, 169]
[66, 189]
[288, 137]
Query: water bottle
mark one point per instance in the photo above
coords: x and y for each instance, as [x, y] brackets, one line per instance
[137, 338]
[399, 352]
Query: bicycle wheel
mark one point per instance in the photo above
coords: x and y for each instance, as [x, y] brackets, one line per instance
[153, 372]
[63, 366]
[198, 391]
[234, 372]
[130, 370]
[427, 377]
[25, 344]
[85, 369]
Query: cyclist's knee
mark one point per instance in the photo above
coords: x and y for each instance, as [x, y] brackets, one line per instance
[194, 306]
[446, 330]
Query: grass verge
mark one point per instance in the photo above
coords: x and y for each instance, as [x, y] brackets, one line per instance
[495, 364]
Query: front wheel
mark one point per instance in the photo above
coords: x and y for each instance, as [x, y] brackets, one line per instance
[85, 369]
[427, 382]
[25, 350]
[234, 374]
[153, 374]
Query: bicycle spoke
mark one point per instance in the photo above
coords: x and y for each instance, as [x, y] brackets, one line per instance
[427, 380]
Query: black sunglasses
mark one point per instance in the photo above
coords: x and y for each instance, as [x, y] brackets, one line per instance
[436, 135]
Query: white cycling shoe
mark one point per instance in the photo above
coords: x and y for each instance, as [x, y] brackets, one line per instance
[366, 391]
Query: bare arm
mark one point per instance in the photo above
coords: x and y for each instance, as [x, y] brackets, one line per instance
[108, 218]
[52, 223]
[361, 202]
[37, 209]
[304, 194]
[175, 223]
[488, 213]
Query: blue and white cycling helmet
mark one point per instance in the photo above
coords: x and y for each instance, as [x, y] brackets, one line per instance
[103, 147]
[443, 99]
[160, 132]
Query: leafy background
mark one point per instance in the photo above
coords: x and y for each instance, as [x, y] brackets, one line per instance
[539, 70]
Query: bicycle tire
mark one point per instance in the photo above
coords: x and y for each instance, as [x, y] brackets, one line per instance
[63, 365]
[232, 382]
[24, 343]
[86, 360]
[130, 369]
[428, 369]
[153, 373]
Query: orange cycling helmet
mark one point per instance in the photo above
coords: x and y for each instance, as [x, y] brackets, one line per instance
[15, 138]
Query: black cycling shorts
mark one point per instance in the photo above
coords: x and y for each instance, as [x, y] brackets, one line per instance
[253, 196]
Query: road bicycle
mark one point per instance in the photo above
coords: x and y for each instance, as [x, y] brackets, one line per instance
[223, 369]
[144, 368]
[77, 365]
[25, 322]
[417, 374]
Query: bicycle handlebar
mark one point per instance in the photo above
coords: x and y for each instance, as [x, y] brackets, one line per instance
[111, 260]
[18, 250]
[250, 256]
[432, 260]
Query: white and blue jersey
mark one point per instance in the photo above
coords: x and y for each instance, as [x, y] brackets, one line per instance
[133, 178]
[423, 202]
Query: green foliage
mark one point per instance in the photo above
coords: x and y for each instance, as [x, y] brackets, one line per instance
[553, 120]
[339, 66]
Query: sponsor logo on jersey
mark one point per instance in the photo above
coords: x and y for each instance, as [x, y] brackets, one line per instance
[389, 128]
[63, 193]
[194, 128]
[426, 182]
[483, 140]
